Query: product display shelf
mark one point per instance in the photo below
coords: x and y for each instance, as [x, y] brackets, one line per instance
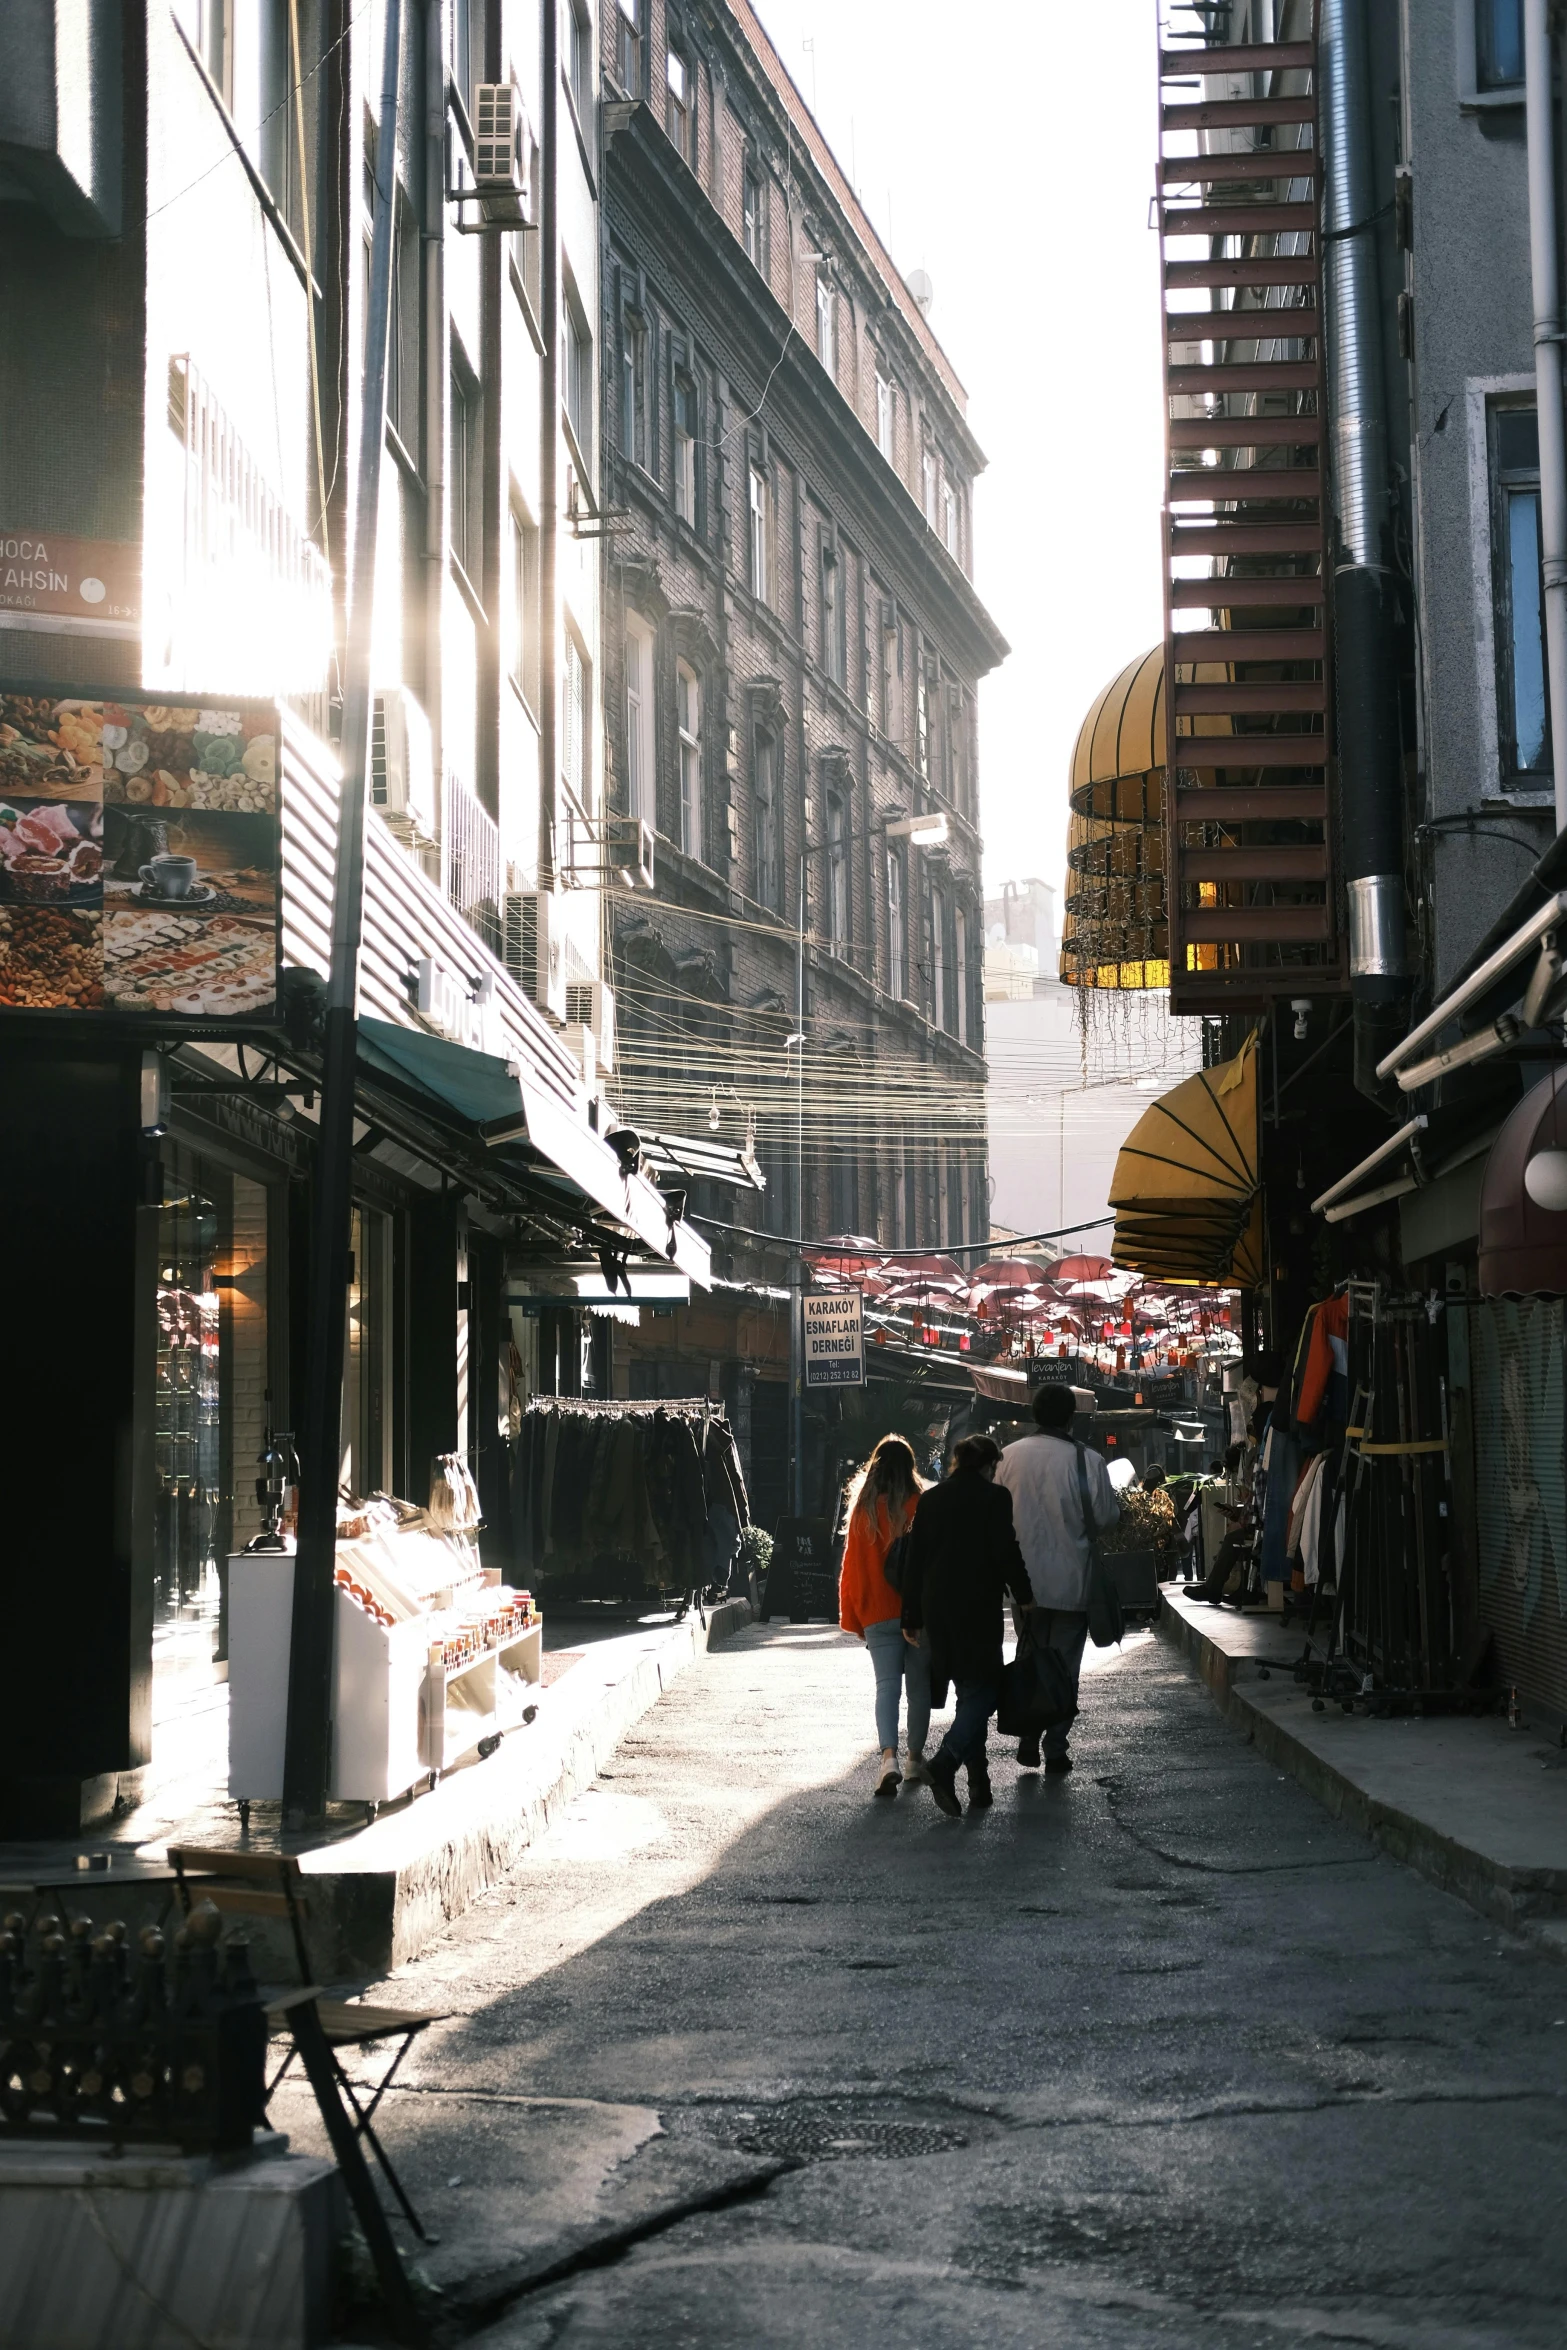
[397, 1717]
[476, 1702]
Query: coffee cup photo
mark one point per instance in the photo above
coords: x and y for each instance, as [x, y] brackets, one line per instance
[170, 876]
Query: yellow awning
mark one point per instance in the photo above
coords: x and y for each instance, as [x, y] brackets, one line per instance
[1186, 1196]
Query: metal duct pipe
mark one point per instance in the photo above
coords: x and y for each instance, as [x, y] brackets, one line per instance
[1546, 288]
[1370, 765]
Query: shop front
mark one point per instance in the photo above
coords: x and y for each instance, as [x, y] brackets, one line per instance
[160, 982]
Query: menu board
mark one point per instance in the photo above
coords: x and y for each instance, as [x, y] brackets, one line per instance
[138, 855]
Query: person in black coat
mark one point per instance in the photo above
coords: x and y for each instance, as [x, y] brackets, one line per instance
[963, 1556]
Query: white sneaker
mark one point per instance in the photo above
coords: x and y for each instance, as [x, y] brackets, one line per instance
[888, 1776]
[914, 1770]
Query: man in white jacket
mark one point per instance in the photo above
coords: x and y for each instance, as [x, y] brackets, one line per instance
[1040, 1473]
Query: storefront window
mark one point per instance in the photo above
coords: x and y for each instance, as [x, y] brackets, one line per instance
[186, 1439]
[210, 1402]
[366, 1464]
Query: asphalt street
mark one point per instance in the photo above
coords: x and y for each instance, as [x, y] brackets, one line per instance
[1156, 2053]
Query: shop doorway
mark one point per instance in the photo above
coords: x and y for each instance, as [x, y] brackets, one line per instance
[208, 1408]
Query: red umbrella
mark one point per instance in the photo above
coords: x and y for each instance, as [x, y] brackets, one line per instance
[1083, 1269]
[1010, 1273]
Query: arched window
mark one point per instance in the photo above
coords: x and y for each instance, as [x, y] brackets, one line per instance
[688, 719]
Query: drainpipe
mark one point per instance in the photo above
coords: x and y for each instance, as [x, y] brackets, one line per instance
[1548, 377]
[549, 438]
[437, 369]
[1371, 784]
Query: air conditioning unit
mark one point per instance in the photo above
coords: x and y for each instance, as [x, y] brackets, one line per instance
[503, 155]
[628, 851]
[402, 766]
[590, 1004]
[533, 947]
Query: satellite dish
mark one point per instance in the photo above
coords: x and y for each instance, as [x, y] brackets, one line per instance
[1545, 1180]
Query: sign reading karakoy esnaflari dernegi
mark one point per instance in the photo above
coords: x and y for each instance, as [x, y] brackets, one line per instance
[833, 1335]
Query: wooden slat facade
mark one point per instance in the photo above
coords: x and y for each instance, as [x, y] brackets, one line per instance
[1249, 859]
[405, 916]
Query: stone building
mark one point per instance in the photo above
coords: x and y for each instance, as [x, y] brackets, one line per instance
[792, 646]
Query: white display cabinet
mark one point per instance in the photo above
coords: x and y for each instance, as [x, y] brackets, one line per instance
[399, 1714]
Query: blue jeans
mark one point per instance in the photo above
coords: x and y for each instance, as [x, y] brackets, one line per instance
[896, 1663]
[965, 1741]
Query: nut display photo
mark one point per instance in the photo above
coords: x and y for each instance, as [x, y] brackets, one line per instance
[138, 855]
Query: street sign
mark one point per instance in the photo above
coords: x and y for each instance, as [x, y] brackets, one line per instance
[833, 1331]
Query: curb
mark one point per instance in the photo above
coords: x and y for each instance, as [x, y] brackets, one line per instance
[415, 1870]
[1530, 1901]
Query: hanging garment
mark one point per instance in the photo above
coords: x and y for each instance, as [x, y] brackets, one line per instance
[1311, 1526]
[1328, 1357]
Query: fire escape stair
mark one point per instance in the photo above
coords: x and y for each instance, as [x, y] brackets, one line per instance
[1250, 859]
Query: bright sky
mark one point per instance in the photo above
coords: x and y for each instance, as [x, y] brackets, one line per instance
[1009, 152]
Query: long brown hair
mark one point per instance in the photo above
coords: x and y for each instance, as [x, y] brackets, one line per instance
[890, 1475]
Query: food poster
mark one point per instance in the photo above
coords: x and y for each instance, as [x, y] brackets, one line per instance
[138, 855]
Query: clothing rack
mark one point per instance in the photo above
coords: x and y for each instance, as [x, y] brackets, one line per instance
[627, 1501]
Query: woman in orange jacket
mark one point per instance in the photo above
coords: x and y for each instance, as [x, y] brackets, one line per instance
[881, 1501]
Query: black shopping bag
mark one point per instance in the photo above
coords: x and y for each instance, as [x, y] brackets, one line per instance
[1036, 1691]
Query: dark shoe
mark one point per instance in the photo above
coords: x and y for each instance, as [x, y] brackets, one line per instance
[943, 1772]
[1058, 1764]
[979, 1795]
[1028, 1754]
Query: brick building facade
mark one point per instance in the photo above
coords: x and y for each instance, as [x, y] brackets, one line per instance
[792, 645]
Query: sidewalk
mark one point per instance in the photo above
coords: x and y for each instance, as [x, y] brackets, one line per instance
[1477, 1807]
[379, 1893]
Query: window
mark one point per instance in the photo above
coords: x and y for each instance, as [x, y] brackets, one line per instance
[834, 628]
[949, 517]
[685, 448]
[524, 635]
[837, 874]
[928, 485]
[579, 59]
[884, 414]
[1498, 43]
[768, 868]
[938, 958]
[679, 114]
[891, 668]
[279, 118]
[960, 972]
[467, 47]
[826, 323]
[688, 719]
[213, 32]
[641, 797]
[1522, 708]
[760, 541]
[628, 45]
[844, 1192]
[635, 439]
[403, 372]
[579, 377]
[467, 483]
[575, 739]
[921, 719]
[958, 771]
[752, 216]
[897, 969]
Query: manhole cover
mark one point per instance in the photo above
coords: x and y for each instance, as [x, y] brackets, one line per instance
[817, 2131]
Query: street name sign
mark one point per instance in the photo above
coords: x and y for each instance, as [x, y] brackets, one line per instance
[833, 1333]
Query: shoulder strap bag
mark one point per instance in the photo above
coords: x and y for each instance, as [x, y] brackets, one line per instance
[1105, 1622]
